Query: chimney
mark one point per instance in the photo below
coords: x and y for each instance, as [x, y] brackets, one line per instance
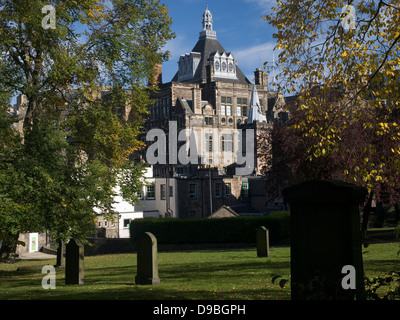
[158, 76]
[196, 99]
[210, 72]
[261, 78]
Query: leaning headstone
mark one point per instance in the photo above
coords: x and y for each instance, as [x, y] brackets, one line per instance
[262, 242]
[74, 262]
[325, 237]
[147, 260]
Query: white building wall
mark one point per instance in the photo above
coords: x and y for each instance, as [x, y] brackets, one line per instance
[125, 219]
[147, 207]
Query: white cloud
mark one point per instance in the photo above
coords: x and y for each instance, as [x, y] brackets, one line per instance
[251, 58]
[179, 45]
[264, 5]
[254, 57]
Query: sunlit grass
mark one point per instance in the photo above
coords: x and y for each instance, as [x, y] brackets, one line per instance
[195, 275]
[229, 274]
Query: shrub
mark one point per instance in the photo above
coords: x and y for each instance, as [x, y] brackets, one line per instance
[225, 230]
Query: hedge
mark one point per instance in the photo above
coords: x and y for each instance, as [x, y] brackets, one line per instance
[225, 230]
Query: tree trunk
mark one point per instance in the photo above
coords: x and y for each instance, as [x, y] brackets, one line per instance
[397, 212]
[31, 116]
[8, 248]
[366, 214]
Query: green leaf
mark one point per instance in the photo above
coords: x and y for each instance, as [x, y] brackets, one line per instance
[75, 141]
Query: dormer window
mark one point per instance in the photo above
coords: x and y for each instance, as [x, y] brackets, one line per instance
[205, 62]
[188, 65]
[224, 65]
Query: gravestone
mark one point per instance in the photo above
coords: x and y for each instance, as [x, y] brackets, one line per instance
[262, 242]
[325, 236]
[147, 260]
[60, 255]
[74, 262]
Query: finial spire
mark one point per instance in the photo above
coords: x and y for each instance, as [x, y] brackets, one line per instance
[208, 25]
[255, 112]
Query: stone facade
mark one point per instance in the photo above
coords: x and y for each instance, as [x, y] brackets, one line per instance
[206, 192]
[33, 242]
[224, 212]
[211, 98]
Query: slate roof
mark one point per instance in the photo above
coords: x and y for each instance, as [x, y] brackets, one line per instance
[187, 105]
[207, 46]
[244, 209]
[236, 211]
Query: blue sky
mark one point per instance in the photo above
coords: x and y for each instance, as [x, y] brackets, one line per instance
[239, 25]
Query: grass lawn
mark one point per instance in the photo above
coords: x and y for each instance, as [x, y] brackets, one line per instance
[203, 275]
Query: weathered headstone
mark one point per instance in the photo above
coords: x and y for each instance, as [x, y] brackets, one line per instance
[60, 255]
[147, 260]
[74, 262]
[262, 242]
[325, 237]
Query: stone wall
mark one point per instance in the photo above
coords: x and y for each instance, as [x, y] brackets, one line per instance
[200, 206]
[24, 237]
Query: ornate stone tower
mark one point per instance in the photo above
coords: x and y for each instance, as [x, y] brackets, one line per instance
[208, 26]
[209, 53]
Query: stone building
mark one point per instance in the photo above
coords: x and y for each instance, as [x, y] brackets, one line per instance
[153, 203]
[205, 113]
[211, 100]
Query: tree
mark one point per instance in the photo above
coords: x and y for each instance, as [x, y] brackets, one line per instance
[86, 84]
[352, 48]
[293, 160]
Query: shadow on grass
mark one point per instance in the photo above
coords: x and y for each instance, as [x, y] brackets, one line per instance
[161, 292]
[184, 272]
[382, 266]
[196, 276]
[210, 269]
[202, 281]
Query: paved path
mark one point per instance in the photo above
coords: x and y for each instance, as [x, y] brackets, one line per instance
[36, 256]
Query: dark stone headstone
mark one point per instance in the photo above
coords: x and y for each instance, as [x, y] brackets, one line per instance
[325, 236]
[74, 262]
[262, 242]
[60, 255]
[147, 260]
